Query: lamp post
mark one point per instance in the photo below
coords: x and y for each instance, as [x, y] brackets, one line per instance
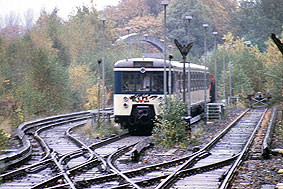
[128, 30]
[98, 90]
[224, 96]
[215, 66]
[170, 71]
[103, 67]
[248, 43]
[164, 3]
[189, 18]
[205, 85]
[230, 85]
[184, 79]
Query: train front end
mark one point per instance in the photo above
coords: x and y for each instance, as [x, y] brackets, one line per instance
[138, 93]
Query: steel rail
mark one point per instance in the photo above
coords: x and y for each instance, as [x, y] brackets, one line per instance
[239, 160]
[203, 151]
[52, 153]
[108, 141]
[26, 150]
[92, 152]
[86, 164]
[46, 159]
[24, 170]
[111, 158]
[182, 173]
[16, 156]
[138, 171]
[43, 143]
[63, 172]
[213, 141]
[21, 170]
[265, 149]
[78, 142]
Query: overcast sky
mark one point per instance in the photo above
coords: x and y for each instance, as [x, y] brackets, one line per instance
[65, 6]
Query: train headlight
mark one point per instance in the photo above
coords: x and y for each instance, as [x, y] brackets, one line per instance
[160, 99]
[125, 105]
[125, 98]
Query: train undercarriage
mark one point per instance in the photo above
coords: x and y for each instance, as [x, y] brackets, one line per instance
[141, 120]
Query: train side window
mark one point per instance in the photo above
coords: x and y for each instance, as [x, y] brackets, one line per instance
[175, 84]
[195, 81]
[144, 82]
[157, 82]
[127, 82]
[140, 82]
[193, 85]
[198, 81]
[179, 83]
[202, 80]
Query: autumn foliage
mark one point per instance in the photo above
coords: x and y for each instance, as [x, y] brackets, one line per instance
[51, 67]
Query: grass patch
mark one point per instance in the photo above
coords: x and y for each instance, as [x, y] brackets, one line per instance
[102, 129]
[4, 140]
[196, 134]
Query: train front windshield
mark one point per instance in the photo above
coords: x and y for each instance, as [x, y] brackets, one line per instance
[140, 82]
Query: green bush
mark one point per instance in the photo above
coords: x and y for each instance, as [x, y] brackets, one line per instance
[3, 140]
[169, 128]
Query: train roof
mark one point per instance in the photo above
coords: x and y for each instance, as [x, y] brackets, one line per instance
[153, 63]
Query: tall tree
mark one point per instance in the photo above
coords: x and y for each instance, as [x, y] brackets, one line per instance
[214, 13]
[273, 61]
[153, 7]
[86, 31]
[125, 11]
[256, 20]
[145, 25]
[129, 11]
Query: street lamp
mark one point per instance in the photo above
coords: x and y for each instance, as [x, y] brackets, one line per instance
[224, 96]
[170, 72]
[215, 66]
[230, 87]
[164, 3]
[103, 67]
[128, 30]
[98, 90]
[248, 43]
[205, 85]
[189, 18]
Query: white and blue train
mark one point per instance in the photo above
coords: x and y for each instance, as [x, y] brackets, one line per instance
[139, 90]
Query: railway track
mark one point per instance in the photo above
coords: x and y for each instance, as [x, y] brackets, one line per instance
[35, 161]
[214, 165]
[215, 159]
[47, 149]
[60, 160]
